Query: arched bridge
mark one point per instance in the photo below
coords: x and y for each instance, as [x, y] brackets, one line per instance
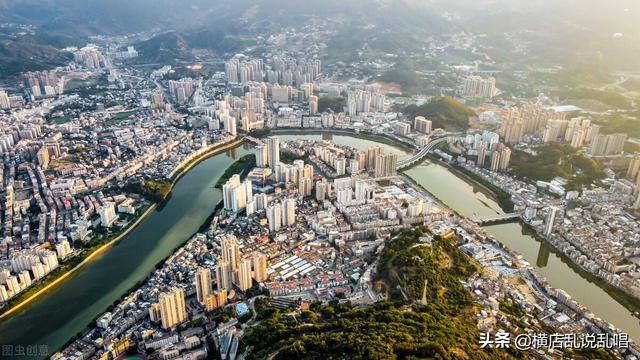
[420, 154]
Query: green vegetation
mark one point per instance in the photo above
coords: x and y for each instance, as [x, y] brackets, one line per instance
[632, 85]
[69, 264]
[443, 328]
[242, 167]
[609, 98]
[336, 104]
[556, 160]
[154, 190]
[401, 76]
[77, 84]
[289, 157]
[511, 308]
[164, 48]
[59, 120]
[258, 133]
[445, 112]
[28, 53]
[617, 124]
[123, 115]
[581, 76]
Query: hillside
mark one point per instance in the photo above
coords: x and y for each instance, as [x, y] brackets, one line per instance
[556, 160]
[445, 112]
[392, 329]
[164, 49]
[25, 54]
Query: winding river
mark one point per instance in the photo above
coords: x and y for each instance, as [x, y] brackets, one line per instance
[468, 200]
[70, 307]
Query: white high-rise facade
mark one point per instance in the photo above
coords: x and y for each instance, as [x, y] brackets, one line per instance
[236, 194]
[551, 218]
[288, 212]
[244, 275]
[273, 145]
[274, 217]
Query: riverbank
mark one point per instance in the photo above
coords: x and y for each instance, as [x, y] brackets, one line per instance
[629, 302]
[216, 149]
[140, 283]
[379, 138]
[626, 300]
[92, 254]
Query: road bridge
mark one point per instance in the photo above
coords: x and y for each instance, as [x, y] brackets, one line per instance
[420, 154]
[485, 220]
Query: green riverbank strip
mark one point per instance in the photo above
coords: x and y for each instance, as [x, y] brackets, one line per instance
[75, 264]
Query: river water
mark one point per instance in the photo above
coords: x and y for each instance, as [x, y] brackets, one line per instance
[69, 308]
[469, 200]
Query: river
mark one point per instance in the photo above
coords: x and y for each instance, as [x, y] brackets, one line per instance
[467, 200]
[67, 309]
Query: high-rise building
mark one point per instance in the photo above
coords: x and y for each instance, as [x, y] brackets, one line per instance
[361, 191]
[505, 157]
[634, 167]
[203, 284]
[172, 308]
[551, 218]
[107, 214]
[230, 251]
[274, 217]
[402, 128]
[262, 156]
[513, 127]
[236, 194]
[305, 186]
[223, 275]
[229, 125]
[313, 104]
[259, 267]
[244, 275]
[476, 86]
[606, 145]
[43, 158]
[288, 212]
[340, 164]
[482, 154]
[421, 124]
[321, 191]
[386, 165]
[5, 103]
[372, 154]
[273, 148]
[495, 161]
[182, 89]
[261, 201]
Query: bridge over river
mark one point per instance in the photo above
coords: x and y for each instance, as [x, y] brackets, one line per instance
[485, 220]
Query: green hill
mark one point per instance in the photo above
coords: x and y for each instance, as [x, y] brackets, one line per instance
[443, 328]
[556, 160]
[164, 48]
[27, 54]
[445, 112]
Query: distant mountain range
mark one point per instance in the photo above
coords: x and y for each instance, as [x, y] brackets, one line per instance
[19, 53]
[563, 31]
